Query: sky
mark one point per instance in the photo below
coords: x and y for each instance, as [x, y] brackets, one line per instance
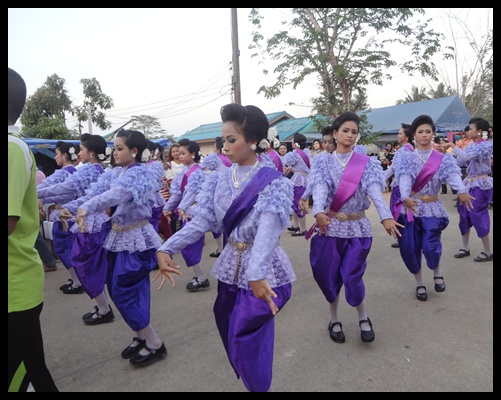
[170, 63]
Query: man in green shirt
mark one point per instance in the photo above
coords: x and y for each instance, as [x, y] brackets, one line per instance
[26, 357]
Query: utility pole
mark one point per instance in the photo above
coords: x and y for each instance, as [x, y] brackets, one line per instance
[236, 55]
[89, 120]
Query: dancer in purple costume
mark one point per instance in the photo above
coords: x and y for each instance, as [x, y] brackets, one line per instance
[251, 203]
[62, 240]
[128, 191]
[298, 161]
[184, 188]
[212, 162]
[88, 256]
[420, 175]
[405, 139]
[477, 156]
[342, 183]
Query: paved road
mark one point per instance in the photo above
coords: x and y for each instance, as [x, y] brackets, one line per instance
[442, 345]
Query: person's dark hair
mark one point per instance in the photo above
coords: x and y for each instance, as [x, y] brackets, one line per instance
[169, 154]
[480, 123]
[218, 141]
[408, 133]
[251, 121]
[17, 96]
[466, 128]
[193, 147]
[64, 148]
[300, 139]
[326, 130]
[344, 117]
[316, 140]
[94, 143]
[420, 120]
[134, 139]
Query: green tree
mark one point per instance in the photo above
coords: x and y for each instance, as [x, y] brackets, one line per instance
[416, 94]
[94, 101]
[44, 115]
[345, 49]
[149, 125]
[471, 74]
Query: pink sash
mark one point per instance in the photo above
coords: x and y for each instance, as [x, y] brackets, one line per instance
[303, 155]
[276, 159]
[224, 158]
[429, 169]
[350, 180]
[187, 175]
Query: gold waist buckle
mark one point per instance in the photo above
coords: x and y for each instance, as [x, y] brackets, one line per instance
[129, 227]
[241, 247]
[341, 216]
[474, 178]
[426, 198]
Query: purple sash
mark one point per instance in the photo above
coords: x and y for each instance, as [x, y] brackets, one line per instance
[187, 175]
[429, 169]
[70, 169]
[348, 184]
[276, 159]
[244, 203]
[224, 158]
[305, 158]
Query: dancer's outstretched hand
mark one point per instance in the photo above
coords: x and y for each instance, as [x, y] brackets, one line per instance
[166, 268]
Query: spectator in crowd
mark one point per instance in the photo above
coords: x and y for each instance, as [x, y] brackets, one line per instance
[25, 292]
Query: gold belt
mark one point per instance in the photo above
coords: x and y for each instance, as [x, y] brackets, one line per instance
[241, 247]
[474, 178]
[341, 216]
[125, 228]
[426, 198]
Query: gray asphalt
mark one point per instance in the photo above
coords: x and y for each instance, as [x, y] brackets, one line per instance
[442, 345]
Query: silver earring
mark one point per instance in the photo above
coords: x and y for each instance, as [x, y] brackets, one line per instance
[134, 155]
[253, 147]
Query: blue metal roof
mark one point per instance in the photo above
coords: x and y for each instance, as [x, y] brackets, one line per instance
[448, 114]
[285, 124]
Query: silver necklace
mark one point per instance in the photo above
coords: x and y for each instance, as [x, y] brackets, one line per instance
[424, 161]
[343, 164]
[236, 182]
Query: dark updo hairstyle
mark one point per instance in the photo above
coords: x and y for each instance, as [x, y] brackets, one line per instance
[480, 123]
[420, 120]
[94, 143]
[408, 133]
[134, 139]
[344, 117]
[218, 141]
[300, 139]
[64, 148]
[251, 121]
[193, 147]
